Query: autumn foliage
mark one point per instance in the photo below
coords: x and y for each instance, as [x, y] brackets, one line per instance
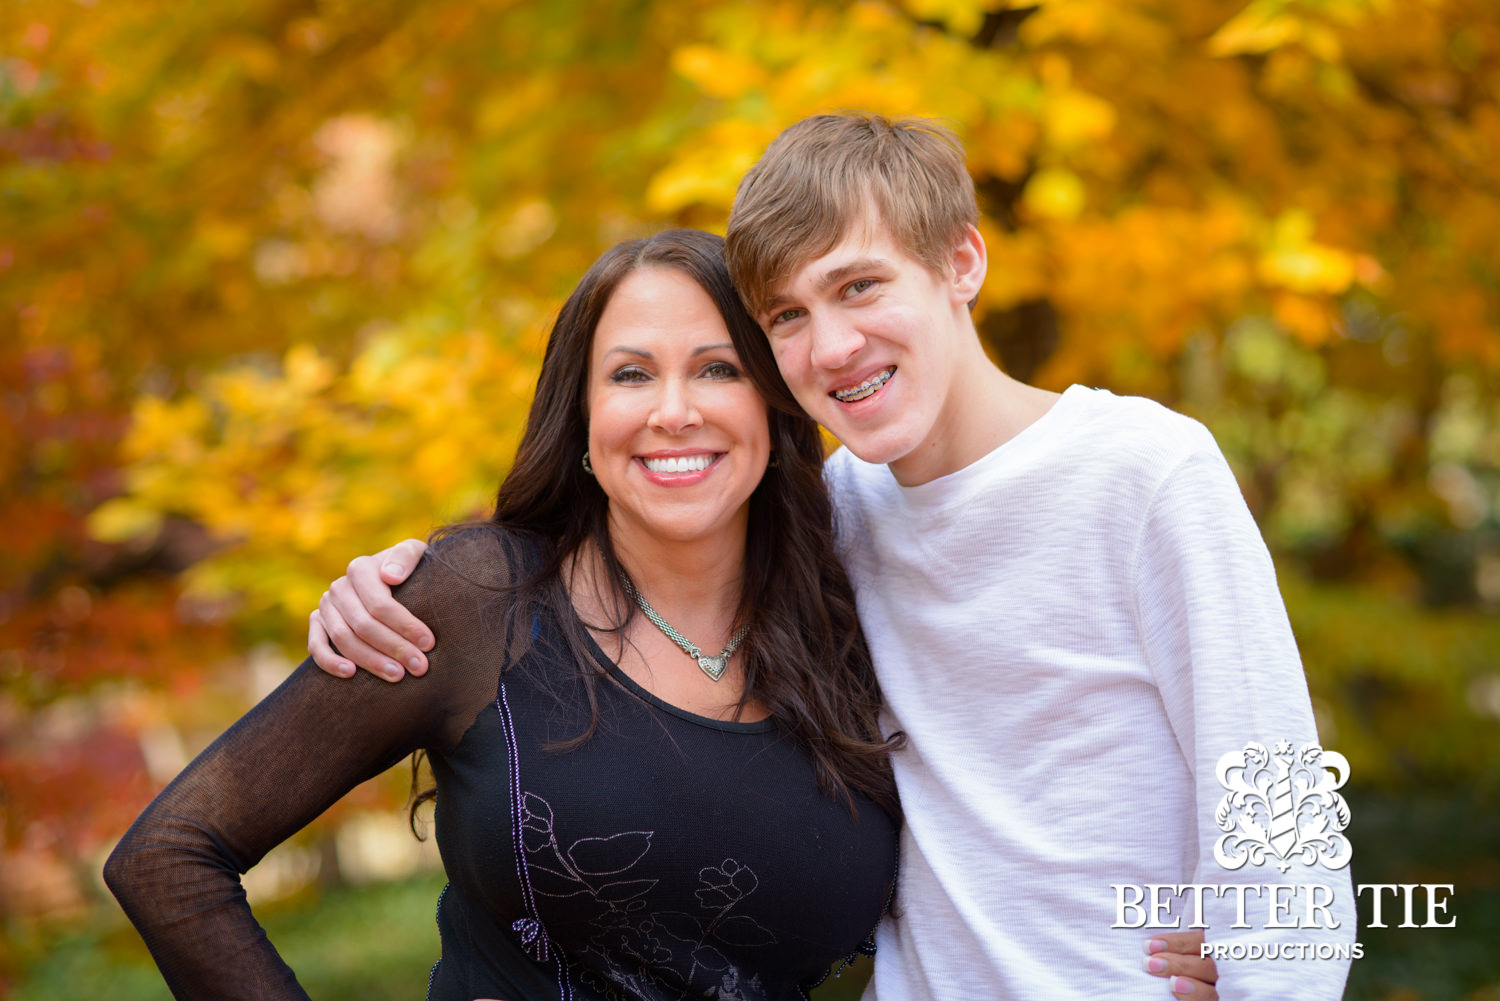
[274, 279]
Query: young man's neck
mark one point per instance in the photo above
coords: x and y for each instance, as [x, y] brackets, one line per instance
[984, 409]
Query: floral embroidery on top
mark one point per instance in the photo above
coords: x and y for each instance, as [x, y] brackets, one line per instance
[670, 953]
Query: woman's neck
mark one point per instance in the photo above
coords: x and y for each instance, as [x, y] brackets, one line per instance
[696, 588]
[705, 575]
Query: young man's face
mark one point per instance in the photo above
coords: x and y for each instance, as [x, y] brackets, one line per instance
[868, 340]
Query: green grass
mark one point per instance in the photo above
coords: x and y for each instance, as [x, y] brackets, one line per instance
[374, 943]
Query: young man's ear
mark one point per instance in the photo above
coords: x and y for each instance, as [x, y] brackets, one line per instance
[969, 262]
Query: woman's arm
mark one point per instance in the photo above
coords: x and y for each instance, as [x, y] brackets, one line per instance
[177, 871]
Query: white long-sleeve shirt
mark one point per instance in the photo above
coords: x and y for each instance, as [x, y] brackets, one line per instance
[1072, 631]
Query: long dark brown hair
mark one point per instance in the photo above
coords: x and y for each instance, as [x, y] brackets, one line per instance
[804, 658]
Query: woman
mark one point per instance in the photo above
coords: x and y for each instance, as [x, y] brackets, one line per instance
[622, 812]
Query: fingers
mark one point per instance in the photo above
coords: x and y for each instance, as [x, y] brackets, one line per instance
[369, 628]
[1180, 947]
[397, 562]
[322, 650]
[1168, 965]
[1192, 990]
[379, 619]
[349, 643]
[358, 636]
[1175, 956]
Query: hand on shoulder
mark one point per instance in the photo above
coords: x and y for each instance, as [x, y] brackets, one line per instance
[359, 624]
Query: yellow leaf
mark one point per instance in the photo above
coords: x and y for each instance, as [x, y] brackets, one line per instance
[1260, 27]
[123, 519]
[1295, 261]
[716, 72]
[1074, 118]
[1055, 193]
[709, 173]
[306, 370]
[159, 429]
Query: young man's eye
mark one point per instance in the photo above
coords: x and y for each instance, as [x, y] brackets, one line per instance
[785, 316]
[856, 287]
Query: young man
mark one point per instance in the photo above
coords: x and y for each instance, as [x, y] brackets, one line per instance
[1072, 614]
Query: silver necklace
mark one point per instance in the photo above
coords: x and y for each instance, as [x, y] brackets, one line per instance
[712, 666]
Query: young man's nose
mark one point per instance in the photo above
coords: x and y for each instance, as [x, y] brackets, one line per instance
[834, 342]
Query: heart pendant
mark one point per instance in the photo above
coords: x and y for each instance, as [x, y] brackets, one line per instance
[713, 666]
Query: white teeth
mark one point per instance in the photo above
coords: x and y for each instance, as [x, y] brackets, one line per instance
[680, 463]
[865, 388]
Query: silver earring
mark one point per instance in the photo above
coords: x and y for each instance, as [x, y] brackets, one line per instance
[587, 466]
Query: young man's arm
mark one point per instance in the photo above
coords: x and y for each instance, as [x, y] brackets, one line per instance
[1216, 634]
[358, 624]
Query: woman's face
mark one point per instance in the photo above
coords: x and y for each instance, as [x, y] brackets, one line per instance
[678, 436]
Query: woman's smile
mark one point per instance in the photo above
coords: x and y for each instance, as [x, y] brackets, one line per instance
[680, 469]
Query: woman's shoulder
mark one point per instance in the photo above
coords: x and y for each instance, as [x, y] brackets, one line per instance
[468, 568]
[484, 553]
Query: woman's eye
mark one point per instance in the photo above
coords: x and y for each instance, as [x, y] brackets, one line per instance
[628, 375]
[721, 370]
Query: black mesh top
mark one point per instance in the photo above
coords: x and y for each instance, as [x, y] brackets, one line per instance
[668, 856]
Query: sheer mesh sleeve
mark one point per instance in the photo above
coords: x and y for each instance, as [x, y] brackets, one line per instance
[177, 870]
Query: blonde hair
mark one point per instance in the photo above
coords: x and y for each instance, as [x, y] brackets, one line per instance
[830, 173]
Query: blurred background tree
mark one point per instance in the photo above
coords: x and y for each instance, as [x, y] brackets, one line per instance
[274, 277]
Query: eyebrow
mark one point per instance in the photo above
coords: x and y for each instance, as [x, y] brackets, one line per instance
[643, 353]
[830, 278]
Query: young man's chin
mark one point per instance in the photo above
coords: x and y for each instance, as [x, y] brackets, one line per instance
[876, 447]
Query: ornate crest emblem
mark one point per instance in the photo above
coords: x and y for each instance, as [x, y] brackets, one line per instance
[1286, 805]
